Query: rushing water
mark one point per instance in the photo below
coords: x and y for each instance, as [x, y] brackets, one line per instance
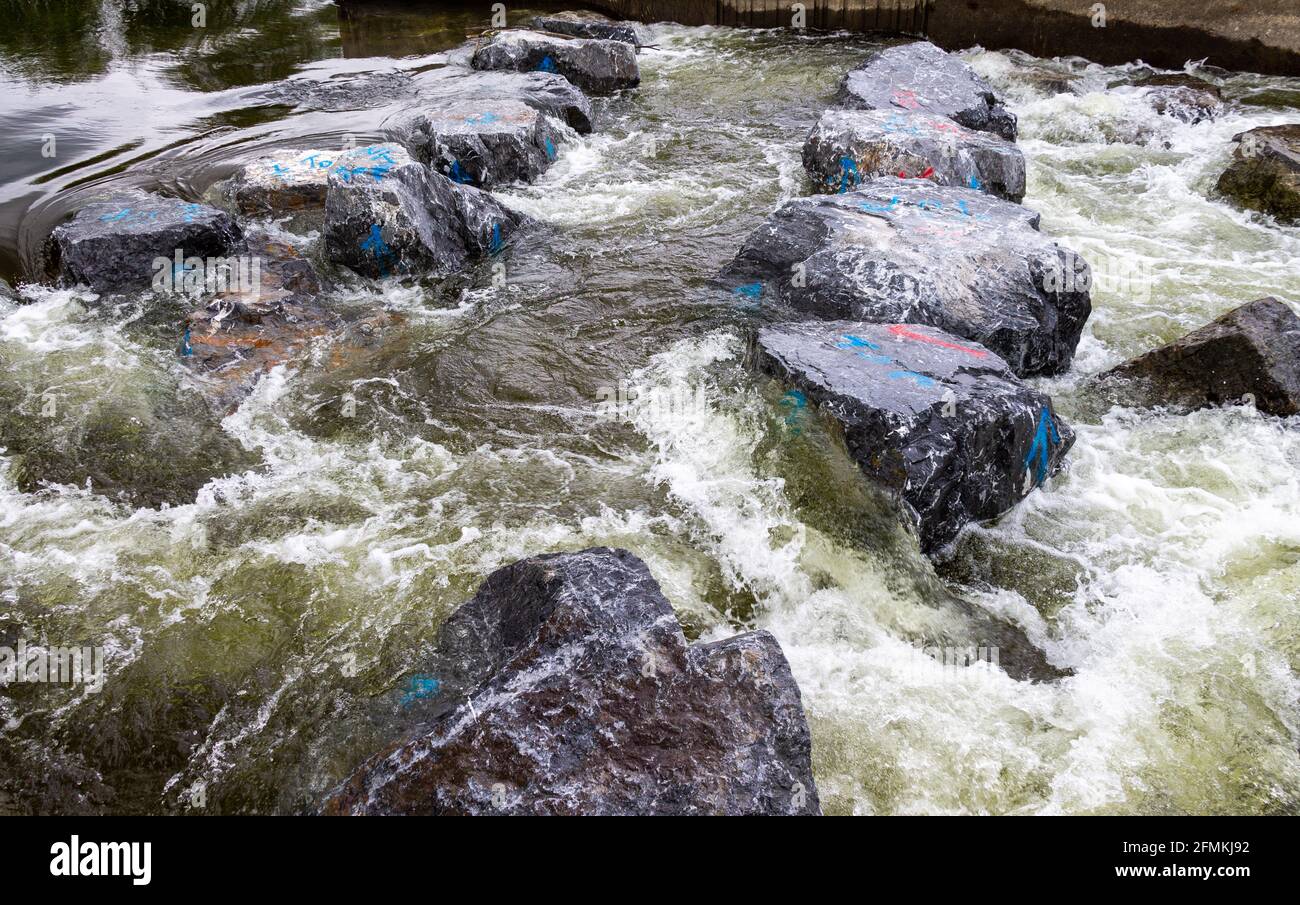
[263, 615]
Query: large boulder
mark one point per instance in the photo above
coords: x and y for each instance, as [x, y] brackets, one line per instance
[566, 686]
[900, 250]
[938, 421]
[402, 219]
[601, 67]
[1251, 355]
[921, 77]
[546, 92]
[288, 180]
[114, 243]
[848, 147]
[1182, 96]
[586, 24]
[1265, 171]
[481, 143]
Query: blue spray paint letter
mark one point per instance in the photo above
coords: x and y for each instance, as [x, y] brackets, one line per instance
[1045, 437]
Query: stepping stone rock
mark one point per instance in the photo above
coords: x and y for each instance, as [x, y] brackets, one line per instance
[289, 180]
[601, 67]
[397, 218]
[566, 686]
[1249, 355]
[114, 244]
[936, 420]
[481, 144]
[583, 24]
[546, 92]
[920, 77]
[899, 250]
[848, 147]
[1265, 171]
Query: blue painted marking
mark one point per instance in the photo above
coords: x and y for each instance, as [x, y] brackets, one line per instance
[749, 290]
[186, 348]
[481, 119]
[849, 176]
[496, 238]
[1044, 438]
[375, 244]
[120, 215]
[550, 149]
[918, 379]
[794, 400]
[848, 340]
[872, 208]
[974, 183]
[457, 174]
[421, 686]
[547, 65]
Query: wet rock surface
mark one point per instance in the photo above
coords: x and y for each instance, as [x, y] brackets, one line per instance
[481, 143]
[848, 147]
[922, 78]
[1265, 171]
[113, 243]
[397, 218]
[1250, 355]
[546, 92]
[584, 24]
[566, 686]
[1182, 96]
[937, 420]
[900, 250]
[601, 67]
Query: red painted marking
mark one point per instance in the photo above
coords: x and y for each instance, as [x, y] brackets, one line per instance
[906, 99]
[903, 331]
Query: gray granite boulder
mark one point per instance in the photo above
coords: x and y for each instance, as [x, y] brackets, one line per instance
[481, 143]
[899, 250]
[848, 147]
[546, 92]
[1182, 96]
[1265, 171]
[601, 67]
[566, 686]
[114, 243]
[397, 218]
[586, 24]
[1250, 355]
[920, 77]
[934, 419]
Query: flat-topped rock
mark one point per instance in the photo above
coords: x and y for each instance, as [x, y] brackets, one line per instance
[113, 243]
[399, 219]
[1250, 355]
[1182, 96]
[289, 180]
[921, 77]
[585, 24]
[1265, 171]
[848, 147]
[481, 143]
[903, 250]
[546, 92]
[601, 67]
[566, 686]
[937, 420]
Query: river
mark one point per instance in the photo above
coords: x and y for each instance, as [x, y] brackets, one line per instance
[263, 608]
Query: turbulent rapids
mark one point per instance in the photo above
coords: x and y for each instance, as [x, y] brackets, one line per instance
[289, 540]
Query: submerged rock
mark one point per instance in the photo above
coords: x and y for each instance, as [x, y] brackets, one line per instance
[848, 147]
[601, 67]
[1250, 355]
[936, 420]
[401, 219]
[481, 143]
[909, 251]
[1183, 96]
[921, 77]
[566, 686]
[585, 24]
[1265, 171]
[545, 92]
[114, 243]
